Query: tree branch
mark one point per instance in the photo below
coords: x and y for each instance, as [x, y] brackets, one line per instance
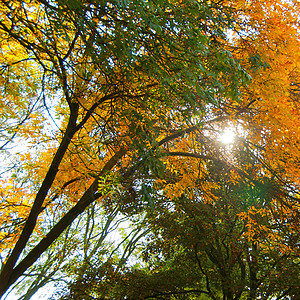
[38, 202]
[87, 198]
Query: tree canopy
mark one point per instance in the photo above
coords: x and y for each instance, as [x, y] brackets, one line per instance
[112, 114]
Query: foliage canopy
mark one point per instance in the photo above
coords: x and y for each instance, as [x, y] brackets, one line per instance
[119, 107]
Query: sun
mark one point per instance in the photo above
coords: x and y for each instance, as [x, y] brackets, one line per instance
[227, 136]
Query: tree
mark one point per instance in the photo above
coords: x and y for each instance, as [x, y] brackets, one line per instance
[240, 204]
[121, 76]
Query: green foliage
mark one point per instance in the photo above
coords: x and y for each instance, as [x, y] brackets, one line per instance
[257, 62]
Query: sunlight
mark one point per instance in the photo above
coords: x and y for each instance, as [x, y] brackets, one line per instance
[227, 136]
